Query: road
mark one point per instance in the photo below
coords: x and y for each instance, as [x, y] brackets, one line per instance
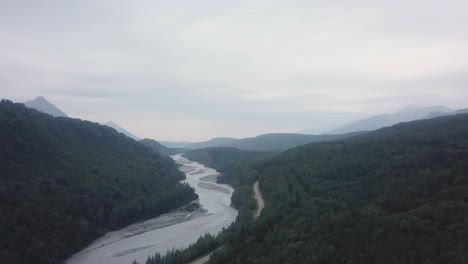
[259, 198]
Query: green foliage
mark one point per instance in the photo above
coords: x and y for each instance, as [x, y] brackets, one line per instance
[64, 182]
[238, 170]
[397, 195]
[283, 141]
[204, 245]
[158, 147]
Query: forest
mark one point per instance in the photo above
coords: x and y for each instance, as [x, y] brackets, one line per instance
[396, 195]
[239, 170]
[64, 182]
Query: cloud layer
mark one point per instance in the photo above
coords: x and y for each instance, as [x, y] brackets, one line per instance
[191, 70]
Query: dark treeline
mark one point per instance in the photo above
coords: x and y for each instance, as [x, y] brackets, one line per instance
[204, 245]
[64, 182]
[159, 148]
[397, 195]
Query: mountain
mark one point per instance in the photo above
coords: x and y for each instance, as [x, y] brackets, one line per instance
[64, 182]
[222, 158]
[215, 142]
[121, 130]
[282, 141]
[265, 142]
[41, 104]
[406, 114]
[461, 111]
[174, 144]
[395, 195]
[158, 147]
[438, 114]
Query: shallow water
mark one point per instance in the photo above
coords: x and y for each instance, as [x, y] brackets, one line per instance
[177, 229]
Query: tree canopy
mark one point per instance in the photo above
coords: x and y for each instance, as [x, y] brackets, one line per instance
[64, 182]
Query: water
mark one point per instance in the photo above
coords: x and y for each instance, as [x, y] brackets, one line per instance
[177, 229]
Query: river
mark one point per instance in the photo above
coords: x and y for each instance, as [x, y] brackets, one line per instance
[177, 229]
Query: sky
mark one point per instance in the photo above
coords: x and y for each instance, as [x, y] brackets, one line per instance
[193, 70]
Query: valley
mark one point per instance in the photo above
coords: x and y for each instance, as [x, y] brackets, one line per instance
[175, 230]
[233, 132]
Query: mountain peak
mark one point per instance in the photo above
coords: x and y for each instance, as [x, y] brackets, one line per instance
[41, 104]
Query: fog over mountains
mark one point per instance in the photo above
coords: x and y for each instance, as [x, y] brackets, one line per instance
[409, 113]
[121, 130]
[275, 141]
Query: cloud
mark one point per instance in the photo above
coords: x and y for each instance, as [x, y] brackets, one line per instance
[243, 67]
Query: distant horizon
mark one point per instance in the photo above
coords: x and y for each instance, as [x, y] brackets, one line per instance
[103, 122]
[196, 70]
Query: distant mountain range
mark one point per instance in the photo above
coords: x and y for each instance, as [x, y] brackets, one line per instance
[41, 104]
[409, 113]
[438, 114]
[215, 142]
[121, 130]
[265, 142]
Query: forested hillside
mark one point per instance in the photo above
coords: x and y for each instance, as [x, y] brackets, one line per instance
[396, 195]
[239, 169]
[158, 147]
[283, 141]
[63, 182]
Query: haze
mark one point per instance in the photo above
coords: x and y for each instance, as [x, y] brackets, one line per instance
[192, 70]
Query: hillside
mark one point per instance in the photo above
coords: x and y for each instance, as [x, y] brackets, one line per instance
[438, 114]
[64, 182]
[121, 130]
[41, 104]
[282, 141]
[158, 147]
[409, 113]
[266, 142]
[222, 158]
[215, 142]
[396, 195]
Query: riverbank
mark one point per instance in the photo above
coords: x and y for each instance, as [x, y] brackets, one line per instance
[257, 195]
[175, 230]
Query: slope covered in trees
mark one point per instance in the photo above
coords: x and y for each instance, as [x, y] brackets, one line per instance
[283, 141]
[266, 142]
[396, 195]
[239, 169]
[158, 147]
[63, 182]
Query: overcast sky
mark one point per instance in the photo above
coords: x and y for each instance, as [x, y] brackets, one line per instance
[192, 70]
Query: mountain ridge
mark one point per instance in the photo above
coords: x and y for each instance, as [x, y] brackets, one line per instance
[406, 114]
[121, 130]
[64, 182]
[41, 104]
